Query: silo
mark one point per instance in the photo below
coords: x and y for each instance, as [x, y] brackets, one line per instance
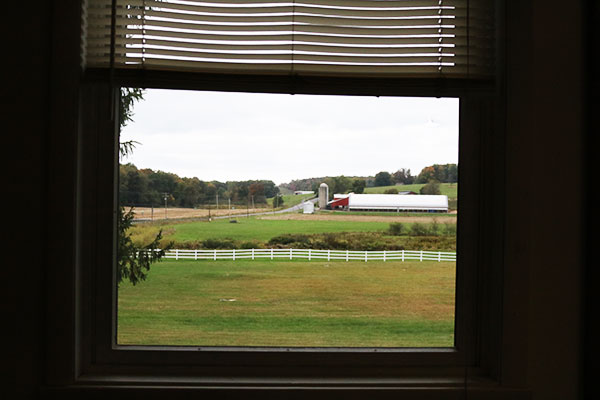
[323, 195]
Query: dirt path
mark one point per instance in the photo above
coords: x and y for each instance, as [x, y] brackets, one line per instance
[178, 213]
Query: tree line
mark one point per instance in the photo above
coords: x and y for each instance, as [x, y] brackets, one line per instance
[440, 173]
[146, 187]
[437, 173]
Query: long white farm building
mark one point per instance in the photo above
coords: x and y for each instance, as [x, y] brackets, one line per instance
[391, 202]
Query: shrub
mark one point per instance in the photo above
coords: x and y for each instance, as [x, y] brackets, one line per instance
[418, 229]
[449, 229]
[287, 238]
[431, 243]
[250, 245]
[433, 187]
[434, 228]
[391, 191]
[396, 229]
[218, 244]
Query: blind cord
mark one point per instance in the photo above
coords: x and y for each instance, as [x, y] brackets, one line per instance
[143, 34]
[111, 72]
[292, 71]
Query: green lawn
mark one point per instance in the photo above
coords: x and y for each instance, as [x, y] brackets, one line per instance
[449, 189]
[255, 229]
[290, 303]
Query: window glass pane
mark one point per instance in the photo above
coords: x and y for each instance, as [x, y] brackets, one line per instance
[311, 221]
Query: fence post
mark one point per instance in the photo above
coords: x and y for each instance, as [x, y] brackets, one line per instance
[384, 256]
[215, 256]
[195, 254]
[439, 256]
[176, 254]
[366, 255]
[403, 255]
[291, 253]
[308, 254]
[253, 254]
[271, 254]
[328, 255]
[233, 254]
[347, 254]
[421, 256]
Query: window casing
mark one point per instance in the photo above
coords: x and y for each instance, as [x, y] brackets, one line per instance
[98, 160]
[97, 361]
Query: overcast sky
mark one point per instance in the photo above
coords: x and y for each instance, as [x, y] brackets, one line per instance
[240, 136]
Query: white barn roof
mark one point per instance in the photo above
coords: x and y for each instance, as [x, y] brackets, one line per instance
[398, 202]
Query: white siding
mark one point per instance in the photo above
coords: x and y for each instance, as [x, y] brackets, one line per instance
[395, 202]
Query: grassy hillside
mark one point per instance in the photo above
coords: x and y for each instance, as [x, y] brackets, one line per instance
[290, 200]
[448, 189]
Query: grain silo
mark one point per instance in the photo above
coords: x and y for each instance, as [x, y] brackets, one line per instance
[323, 195]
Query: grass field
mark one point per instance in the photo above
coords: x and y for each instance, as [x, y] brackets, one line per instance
[449, 189]
[249, 229]
[262, 229]
[290, 303]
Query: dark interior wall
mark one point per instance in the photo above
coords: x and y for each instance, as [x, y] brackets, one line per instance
[28, 88]
[556, 231]
[545, 147]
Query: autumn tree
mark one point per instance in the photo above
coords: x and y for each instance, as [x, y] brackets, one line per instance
[403, 176]
[257, 192]
[447, 173]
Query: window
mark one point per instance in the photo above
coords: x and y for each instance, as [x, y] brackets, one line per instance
[341, 368]
[244, 271]
[98, 180]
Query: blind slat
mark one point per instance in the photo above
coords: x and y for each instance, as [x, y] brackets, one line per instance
[323, 47]
[429, 9]
[374, 37]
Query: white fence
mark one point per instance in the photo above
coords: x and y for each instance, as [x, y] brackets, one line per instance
[290, 254]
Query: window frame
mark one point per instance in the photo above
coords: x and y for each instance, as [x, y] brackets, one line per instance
[98, 161]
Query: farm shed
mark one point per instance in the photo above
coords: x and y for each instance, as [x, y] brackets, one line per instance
[308, 207]
[392, 202]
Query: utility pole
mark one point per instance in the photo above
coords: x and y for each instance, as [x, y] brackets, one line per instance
[166, 196]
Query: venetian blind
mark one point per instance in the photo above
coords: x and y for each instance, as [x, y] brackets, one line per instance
[387, 38]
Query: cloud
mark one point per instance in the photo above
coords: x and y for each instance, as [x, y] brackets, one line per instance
[236, 136]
